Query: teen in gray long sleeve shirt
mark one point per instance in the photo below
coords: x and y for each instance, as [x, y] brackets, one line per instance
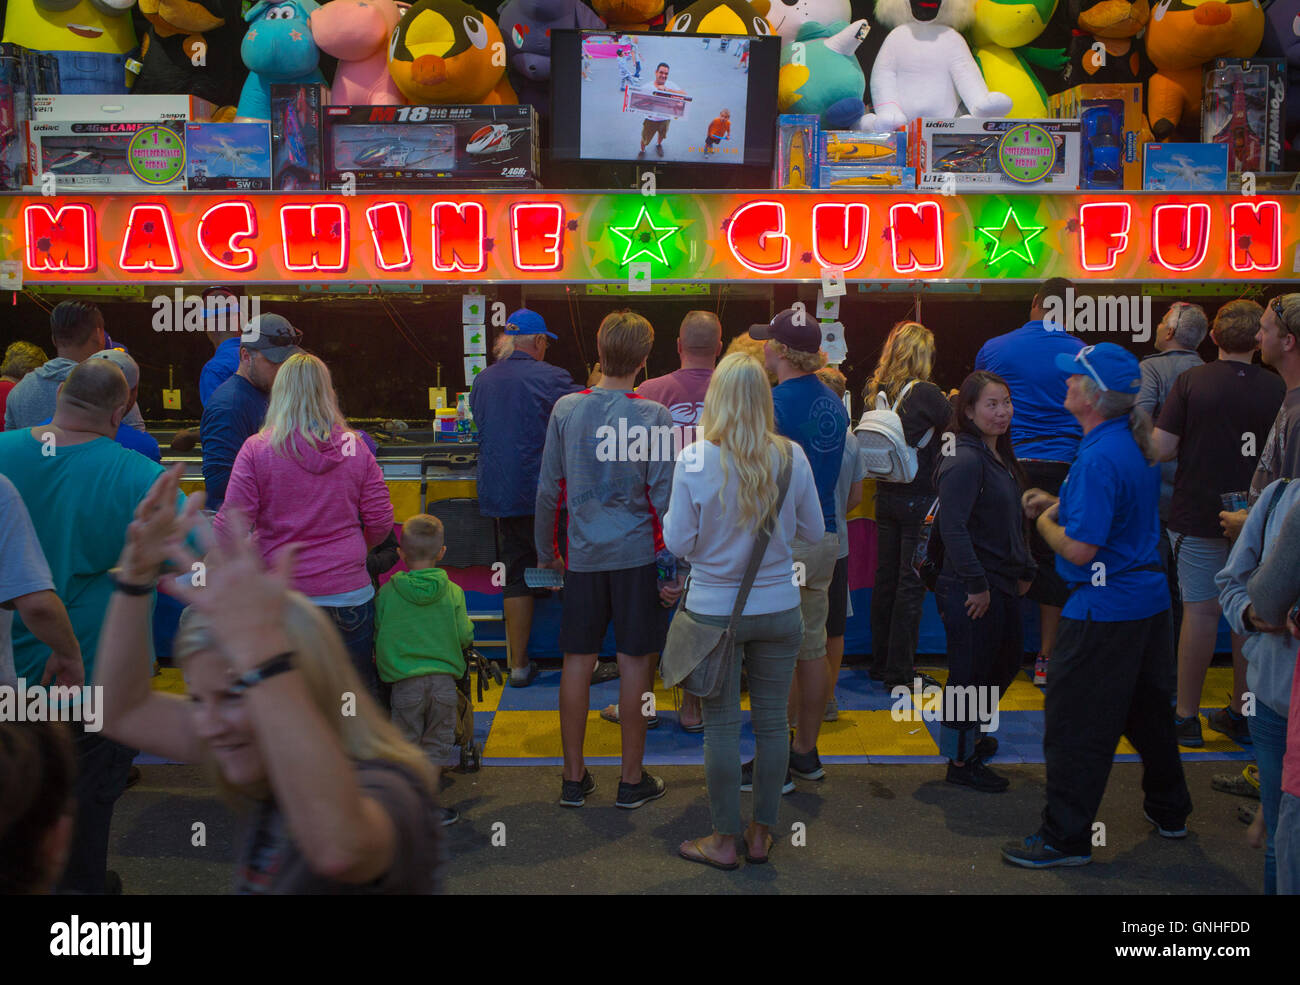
[1275, 585]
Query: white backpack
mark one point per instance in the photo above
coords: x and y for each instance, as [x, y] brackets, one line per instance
[886, 455]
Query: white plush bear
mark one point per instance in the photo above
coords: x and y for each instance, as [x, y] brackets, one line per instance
[925, 68]
[787, 16]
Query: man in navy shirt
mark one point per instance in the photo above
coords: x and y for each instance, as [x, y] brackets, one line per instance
[1044, 435]
[1114, 671]
[238, 406]
[221, 316]
[511, 402]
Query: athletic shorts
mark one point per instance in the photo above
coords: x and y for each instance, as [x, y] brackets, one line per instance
[650, 127]
[814, 593]
[515, 549]
[1199, 560]
[1048, 588]
[837, 614]
[628, 596]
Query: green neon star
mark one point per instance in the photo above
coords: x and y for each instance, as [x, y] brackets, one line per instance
[643, 237]
[1011, 238]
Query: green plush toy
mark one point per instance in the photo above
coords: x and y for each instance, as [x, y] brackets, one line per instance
[820, 74]
[1000, 39]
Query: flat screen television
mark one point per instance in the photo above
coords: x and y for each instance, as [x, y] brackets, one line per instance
[703, 101]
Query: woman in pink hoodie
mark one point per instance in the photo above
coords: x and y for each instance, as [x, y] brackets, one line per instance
[306, 480]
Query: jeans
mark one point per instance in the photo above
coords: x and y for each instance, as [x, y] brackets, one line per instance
[91, 72]
[899, 593]
[1268, 733]
[1288, 845]
[102, 768]
[356, 623]
[766, 646]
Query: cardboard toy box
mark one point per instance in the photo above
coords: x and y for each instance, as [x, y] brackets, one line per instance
[296, 135]
[1024, 155]
[126, 109]
[1185, 167]
[228, 156]
[1112, 132]
[861, 177]
[430, 146]
[14, 67]
[795, 164]
[106, 156]
[1243, 107]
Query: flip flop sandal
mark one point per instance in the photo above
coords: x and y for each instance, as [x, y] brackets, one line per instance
[703, 859]
[1246, 813]
[758, 859]
[612, 716]
[697, 727]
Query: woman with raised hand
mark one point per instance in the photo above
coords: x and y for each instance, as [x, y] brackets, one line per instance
[340, 803]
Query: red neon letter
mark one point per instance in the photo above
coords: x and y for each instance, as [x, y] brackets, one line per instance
[458, 229]
[221, 227]
[1255, 230]
[1180, 235]
[150, 241]
[63, 240]
[840, 234]
[315, 237]
[752, 233]
[917, 236]
[390, 231]
[1103, 234]
[537, 234]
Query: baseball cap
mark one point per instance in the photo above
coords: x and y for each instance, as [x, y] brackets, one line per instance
[272, 336]
[525, 322]
[795, 328]
[1112, 367]
[124, 362]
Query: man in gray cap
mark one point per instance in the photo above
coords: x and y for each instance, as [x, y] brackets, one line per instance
[127, 436]
[237, 408]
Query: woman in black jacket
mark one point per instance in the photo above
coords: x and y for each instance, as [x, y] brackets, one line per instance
[987, 566]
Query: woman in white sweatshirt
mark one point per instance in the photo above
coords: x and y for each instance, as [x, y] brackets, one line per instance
[724, 490]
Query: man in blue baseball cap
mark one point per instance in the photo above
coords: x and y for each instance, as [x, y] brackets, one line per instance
[1113, 669]
[511, 402]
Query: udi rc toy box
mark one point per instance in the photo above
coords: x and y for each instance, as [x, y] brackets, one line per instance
[105, 156]
[228, 156]
[1006, 154]
[430, 147]
[1243, 107]
[1113, 130]
[121, 109]
[296, 135]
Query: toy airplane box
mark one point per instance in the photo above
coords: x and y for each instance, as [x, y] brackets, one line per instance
[430, 147]
[296, 135]
[1185, 167]
[121, 156]
[1243, 107]
[228, 156]
[1113, 130]
[126, 109]
[968, 153]
[796, 151]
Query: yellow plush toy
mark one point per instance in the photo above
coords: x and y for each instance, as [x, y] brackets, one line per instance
[1000, 37]
[445, 51]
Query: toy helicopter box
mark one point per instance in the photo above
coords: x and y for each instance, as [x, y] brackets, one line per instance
[796, 151]
[228, 156]
[1185, 167]
[125, 109]
[14, 66]
[1034, 155]
[296, 135]
[116, 156]
[430, 147]
[1112, 133]
[1243, 107]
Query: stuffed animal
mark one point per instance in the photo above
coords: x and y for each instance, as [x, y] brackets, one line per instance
[1000, 37]
[192, 47]
[924, 68]
[526, 26]
[90, 38]
[357, 32]
[722, 17]
[632, 15]
[1180, 39]
[787, 16]
[277, 48]
[827, 80]
[1115, 24]
[1282, 40]
[445, 51]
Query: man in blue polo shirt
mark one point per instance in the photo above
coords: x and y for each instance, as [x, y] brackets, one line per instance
[221, 320]
[511, 402]
[1114, 671]
[1044, 434]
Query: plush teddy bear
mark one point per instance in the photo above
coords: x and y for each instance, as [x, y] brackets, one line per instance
[1282, 40]
[827, 79]
[1001, 36]
[722, 17]
[924, 67]
[277, 48]
[1180, 39]
[526, 26]
[357, 32]
[445, 51]
[192, 47]
[631, 15]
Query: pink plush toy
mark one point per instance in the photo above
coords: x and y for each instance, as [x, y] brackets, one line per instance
[356, 32]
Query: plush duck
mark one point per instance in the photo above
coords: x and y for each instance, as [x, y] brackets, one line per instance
[444, 51]
[357, 32]
[827, 81]
[1000, 37]
[277, 48]
[192, 47]
[722, 17]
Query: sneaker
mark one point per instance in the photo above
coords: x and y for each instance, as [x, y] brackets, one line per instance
[523, 676]
[1179, 832]
[632, 795]
[747, 780]
[1040, 671]
[806, 765]
[986, 747]
[1034, 853]
[1188, 731]
[1228, 722]
[832, 713]
[1243, 784]
[606, 670]
[574, 792]
[449, 816]
[977, 776]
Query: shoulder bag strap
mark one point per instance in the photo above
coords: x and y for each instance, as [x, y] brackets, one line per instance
[898, 402]
[760, 543]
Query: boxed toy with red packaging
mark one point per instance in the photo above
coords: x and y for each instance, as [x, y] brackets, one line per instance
[120, 156]
[1113, 130]
[1243, 107]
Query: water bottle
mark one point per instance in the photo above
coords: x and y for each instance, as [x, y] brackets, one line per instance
[665, 568]
[462, 418]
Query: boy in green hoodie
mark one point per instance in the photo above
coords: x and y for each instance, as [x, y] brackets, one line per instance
[421, 630]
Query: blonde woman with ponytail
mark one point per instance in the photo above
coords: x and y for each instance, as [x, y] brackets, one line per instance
[724, 490]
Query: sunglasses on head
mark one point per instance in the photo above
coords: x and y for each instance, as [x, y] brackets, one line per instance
[1082, 360]
[1278, 308]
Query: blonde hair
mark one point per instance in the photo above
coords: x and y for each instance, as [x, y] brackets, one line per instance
[422, 537]
[302, 404]
[908, 355]
[21, 358]
[322, 659]
[834, 379]
[804, 362]
[738, 418]
[623, 342]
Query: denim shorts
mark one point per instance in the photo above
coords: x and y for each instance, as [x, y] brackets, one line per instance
[1199, 560]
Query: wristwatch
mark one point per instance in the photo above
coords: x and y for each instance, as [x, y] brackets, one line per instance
[267, 668]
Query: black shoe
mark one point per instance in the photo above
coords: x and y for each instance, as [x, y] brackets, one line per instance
[977, 776]
[806, 765]
[574, 792]
[449, 816]
[648, 788]
[987, 747]
[1034, 853]
[1164, 832]
[1227, 722]
[747, 780]
[606, 670]
[1188, 731]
